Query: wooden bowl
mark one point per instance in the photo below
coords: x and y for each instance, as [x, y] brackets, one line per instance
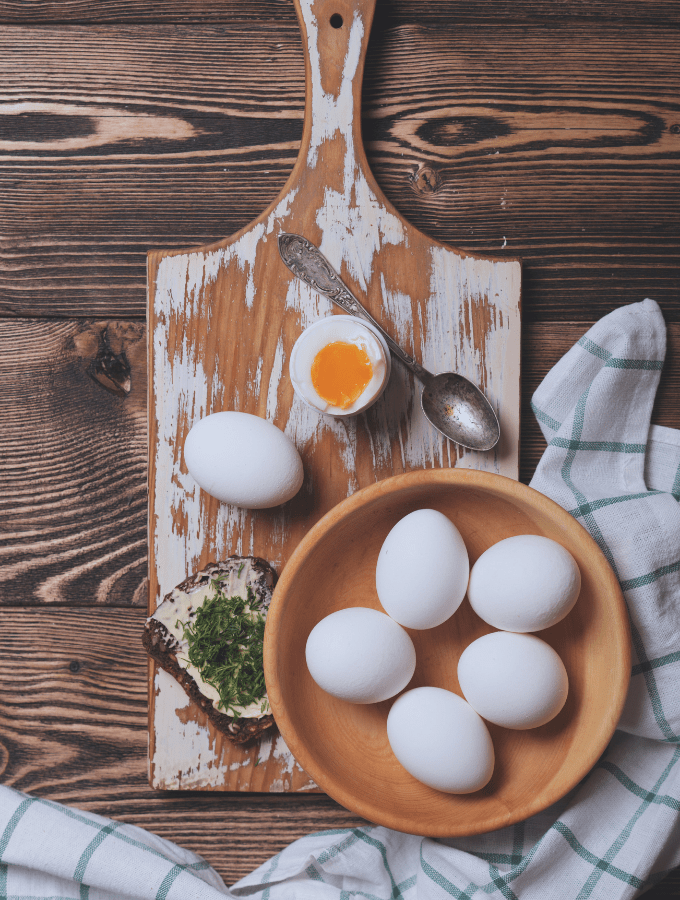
[344, 746]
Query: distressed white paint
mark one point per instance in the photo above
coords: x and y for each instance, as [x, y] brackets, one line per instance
[456, 284]
[280, 212]
[354, 223]
[256, 380]
[275, 380]
[184, 753]
[397, 307]
[355, 227]
[181, 389]
[331, 113]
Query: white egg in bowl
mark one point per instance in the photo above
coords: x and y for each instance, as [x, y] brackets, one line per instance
[340, 365]
[345, 748]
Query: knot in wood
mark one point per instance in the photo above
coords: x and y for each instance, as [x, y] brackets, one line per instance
[426, 180]
[111, 370]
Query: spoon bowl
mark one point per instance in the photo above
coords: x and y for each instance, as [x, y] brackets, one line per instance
[453, 404]
[460, 411]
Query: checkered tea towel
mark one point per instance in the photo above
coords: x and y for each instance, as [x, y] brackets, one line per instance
[617, 833]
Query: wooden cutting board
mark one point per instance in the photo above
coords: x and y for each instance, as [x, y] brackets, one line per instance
[222, 320]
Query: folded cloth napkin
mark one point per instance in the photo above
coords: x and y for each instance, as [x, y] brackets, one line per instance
[614, 835]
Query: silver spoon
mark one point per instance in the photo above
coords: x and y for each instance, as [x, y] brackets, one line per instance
[453, 404]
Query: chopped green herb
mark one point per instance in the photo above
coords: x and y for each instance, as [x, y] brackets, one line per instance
[240, 569]
[257, 761]
[225, 644]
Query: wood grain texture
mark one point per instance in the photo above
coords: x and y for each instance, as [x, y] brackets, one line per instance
[73, 728]
[222, 322]
[663, 12]
[89, 545]
[73, 472]
[76, 223]
[556, 140]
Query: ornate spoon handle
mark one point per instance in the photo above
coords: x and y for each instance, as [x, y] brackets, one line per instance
[311, 266]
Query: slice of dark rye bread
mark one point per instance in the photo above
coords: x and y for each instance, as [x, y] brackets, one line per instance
[237, 574]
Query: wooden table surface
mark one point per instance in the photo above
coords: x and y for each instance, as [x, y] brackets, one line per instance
[544, 129]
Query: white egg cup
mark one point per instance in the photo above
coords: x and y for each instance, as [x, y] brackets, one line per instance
[330, 324]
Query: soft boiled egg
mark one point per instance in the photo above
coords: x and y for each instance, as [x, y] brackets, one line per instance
[440, 740]
[340, 365]
[360, 655]
[524, 583]
[422, 570]
[514, 680]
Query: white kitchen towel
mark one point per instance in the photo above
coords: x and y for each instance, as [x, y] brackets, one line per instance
[615, 834]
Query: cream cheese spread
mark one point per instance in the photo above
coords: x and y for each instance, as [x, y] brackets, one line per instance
[180, 606]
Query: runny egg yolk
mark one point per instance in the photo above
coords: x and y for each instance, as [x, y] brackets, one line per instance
[340, 373]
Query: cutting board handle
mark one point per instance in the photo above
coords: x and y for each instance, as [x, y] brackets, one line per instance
[335, 37]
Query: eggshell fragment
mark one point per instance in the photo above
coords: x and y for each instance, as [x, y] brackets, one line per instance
[243, 460]
[440, 740]
[524, 583]
[514, 680]
[422, 570]
[360, 655]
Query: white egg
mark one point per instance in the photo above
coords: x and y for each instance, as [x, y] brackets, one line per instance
[349, 337]
[422, 570]
[440, 740]
[524, 583]
[360, 655]
[243, 460]
[514, 680]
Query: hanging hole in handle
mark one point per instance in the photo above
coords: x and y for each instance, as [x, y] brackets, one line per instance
[336, 20]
